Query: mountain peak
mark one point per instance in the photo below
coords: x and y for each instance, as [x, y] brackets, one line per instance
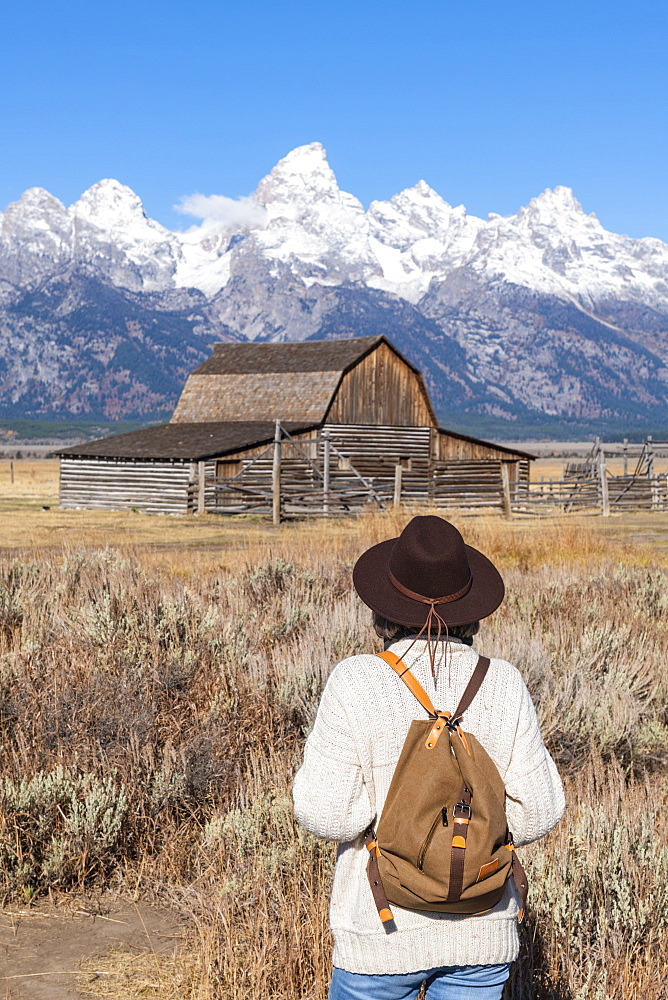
[40, 196]
[108, 204]
[36, 211]
[424, 192]
[424, 189]
[304, 175]
[308, 156]
[34, 202]
[556, 201]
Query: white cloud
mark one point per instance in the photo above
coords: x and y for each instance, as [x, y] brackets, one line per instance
[217, 208]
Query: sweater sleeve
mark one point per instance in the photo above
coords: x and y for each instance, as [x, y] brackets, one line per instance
[329, 794]
[534, 794]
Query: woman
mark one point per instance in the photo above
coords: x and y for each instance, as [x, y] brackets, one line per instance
[427, 591]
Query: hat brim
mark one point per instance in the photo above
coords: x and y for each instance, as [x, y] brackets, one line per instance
[372, 583]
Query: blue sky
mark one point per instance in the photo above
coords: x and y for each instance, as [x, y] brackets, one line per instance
[489, 102]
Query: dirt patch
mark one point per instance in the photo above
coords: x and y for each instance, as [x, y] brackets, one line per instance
[42, 947]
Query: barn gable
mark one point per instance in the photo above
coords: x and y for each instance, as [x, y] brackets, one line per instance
[362, 381]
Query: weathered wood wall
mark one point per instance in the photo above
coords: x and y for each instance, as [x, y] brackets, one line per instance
[362, 461]
[378, 447]
[375, 450]
[382, 389]
[447, 446]
[111, 484]
[307, 439]
[467, 484]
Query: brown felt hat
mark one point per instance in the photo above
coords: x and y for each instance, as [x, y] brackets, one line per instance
[427, 566]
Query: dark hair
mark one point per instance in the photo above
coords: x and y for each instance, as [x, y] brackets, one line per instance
[393, 631]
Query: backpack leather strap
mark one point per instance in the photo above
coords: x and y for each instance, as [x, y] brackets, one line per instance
[416, 689]
[411, 682]
[472, 688]
[522, 884]
[461, 814]
[373, 874]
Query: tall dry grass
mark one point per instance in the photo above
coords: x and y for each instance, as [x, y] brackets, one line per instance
[153, 707]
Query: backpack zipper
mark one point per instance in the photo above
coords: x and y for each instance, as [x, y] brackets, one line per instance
[442, 816]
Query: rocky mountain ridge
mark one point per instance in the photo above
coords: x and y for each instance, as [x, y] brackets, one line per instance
[103, 311]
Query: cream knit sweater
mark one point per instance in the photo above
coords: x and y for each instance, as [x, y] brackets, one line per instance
[349, 759]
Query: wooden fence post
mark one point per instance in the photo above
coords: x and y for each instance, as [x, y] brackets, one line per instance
[398, 479]
[326, 456]
[11, 472]
[655, 493]
[626, 456]
[654, 483]
[200, 487]
[276, 475]
[603, 480]
[192, 480]
[505, 490]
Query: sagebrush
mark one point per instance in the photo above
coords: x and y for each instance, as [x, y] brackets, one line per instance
[153, 711]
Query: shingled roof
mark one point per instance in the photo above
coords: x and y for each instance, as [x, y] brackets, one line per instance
[303, 356]
[192, 442]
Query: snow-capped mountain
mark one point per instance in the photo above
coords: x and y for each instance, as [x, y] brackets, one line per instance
[103, 310]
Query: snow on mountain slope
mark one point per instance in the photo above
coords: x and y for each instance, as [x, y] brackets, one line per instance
[111, 231]
[324, 235]
[552, 246]
[35, 237]
[106, 230]
[416, 236]
[319, 230]
[402, 245]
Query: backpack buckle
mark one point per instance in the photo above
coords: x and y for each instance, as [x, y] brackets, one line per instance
[465, 808]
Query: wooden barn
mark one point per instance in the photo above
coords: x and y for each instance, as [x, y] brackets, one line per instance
[327, 425]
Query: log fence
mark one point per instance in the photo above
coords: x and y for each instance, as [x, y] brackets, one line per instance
[317, 478]
[589, 486]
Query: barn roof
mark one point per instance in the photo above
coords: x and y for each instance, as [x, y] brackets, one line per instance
[303, 356]
[195, 442]
[190, 442]
[295, 381]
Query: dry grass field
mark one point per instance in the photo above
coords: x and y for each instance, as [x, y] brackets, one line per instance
[157, 679]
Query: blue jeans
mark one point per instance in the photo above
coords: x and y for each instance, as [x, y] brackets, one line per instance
[452, 982]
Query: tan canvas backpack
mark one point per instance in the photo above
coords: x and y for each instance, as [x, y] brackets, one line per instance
[442, 842]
